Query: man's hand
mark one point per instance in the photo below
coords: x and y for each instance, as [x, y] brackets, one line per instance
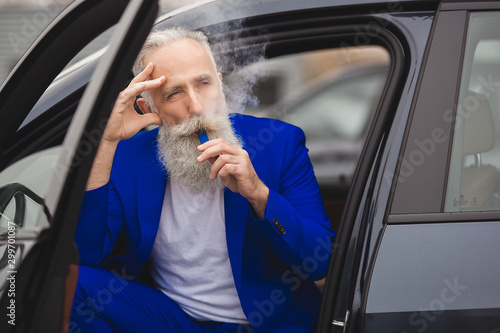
[124, 121]
[232, 164]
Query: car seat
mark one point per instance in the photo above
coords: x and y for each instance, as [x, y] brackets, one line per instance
[478, 180]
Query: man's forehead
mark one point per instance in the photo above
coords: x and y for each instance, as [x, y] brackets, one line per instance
[181, 58]
[182, 50]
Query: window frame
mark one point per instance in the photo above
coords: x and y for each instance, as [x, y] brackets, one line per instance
[418, 187]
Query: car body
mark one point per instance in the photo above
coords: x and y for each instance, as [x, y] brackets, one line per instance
[417, 234]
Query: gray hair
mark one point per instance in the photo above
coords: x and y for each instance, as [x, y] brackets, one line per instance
[160, 38]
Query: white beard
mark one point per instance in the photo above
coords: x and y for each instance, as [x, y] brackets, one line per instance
[177, 148]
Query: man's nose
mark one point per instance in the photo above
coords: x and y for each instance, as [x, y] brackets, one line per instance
[194, 106]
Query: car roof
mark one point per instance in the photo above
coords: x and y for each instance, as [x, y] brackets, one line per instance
[207, 12]
[272, 6]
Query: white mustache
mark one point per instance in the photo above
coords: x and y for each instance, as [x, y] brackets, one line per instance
[177, 149]
[195, 124]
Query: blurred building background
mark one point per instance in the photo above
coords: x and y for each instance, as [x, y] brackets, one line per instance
[21, 21]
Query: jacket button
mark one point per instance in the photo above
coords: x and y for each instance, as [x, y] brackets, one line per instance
[282, 229]
[275, 223]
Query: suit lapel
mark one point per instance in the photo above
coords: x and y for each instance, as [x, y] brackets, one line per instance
[151, 183]
[236, 212]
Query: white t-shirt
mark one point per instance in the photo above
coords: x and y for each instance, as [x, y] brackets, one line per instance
[190, 260]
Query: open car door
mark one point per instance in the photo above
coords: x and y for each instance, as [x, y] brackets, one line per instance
[43, 172]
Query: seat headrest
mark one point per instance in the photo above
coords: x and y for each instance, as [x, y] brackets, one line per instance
[479, 128]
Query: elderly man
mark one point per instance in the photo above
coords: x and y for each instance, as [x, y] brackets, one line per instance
[232, 241]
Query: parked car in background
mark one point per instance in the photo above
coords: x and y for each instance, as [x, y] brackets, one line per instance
[417, 232]
[334, 111]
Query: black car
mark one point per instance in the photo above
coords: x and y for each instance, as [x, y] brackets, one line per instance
[418, 232]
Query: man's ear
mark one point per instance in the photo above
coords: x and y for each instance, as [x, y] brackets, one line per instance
[143, 106]
[220, 76]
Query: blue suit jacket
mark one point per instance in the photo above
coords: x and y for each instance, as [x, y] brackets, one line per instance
[273, 260]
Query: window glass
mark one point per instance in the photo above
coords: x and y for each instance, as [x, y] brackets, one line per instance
[90, 53]
[22, 211]
[340, 110]
[23, 214]
[331, 94]
[473, 179]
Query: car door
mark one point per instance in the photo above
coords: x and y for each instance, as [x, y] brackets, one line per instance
[43, 173]
[424, 256]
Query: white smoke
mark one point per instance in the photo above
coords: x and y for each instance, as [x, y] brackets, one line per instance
[233, 55]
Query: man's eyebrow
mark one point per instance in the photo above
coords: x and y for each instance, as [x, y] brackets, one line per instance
[166, 93]
[170, 90]
[202, 77]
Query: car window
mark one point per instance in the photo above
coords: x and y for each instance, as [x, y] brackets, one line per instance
[330, 94]
[23, 214]
[341, 109]
[473, 179]
[22, 188]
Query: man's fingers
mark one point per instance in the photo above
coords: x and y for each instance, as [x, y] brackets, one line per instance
[210, 143]
[214, 148]
[138, 88]
[140, 83]
[142, 76]
[221, 162]
[149, 119]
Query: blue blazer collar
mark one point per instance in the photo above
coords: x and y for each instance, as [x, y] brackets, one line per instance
[151, 184]
[236, 213]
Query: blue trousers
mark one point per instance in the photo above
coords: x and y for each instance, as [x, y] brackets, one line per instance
[106, 302]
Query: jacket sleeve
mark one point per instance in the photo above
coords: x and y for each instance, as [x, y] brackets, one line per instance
[295, 220]
[100, 224]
